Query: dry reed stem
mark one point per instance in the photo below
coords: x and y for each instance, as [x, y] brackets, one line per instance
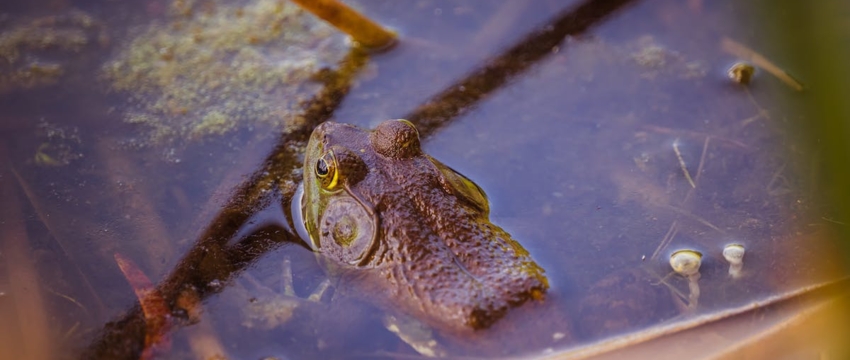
[682, 164]
[146, 222]
[694, 217]
[699, 169]
[24, 286]
[671, 233]
[53, 229]
[498, 26]
[363, 30]
[762, 112]
[668, 237]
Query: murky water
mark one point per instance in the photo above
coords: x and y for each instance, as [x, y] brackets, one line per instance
[170, 134]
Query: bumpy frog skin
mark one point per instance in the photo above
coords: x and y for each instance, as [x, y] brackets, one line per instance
[412, 233]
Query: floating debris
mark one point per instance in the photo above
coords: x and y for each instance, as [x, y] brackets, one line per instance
[741, 72]
[734, 254]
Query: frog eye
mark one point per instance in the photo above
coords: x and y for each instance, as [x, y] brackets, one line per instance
[322, 168]
[326, 170]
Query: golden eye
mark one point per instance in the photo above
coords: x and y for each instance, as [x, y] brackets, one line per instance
[327, 170]
[322, 169]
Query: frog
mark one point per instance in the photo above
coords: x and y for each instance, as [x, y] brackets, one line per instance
[410, 232]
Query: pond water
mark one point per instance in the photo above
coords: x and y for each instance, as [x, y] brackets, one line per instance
[157, 144]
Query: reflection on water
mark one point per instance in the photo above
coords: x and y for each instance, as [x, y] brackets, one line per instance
[607, 145]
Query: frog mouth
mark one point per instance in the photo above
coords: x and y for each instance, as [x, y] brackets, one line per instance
[297, 211]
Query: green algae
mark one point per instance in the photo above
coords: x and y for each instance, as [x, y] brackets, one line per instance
[207, 71]
[23, 47]
[58, 145]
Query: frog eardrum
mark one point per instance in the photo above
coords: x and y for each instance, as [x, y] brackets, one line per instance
[347, 230]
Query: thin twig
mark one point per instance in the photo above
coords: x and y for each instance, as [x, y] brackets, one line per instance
[668, 237]
[56, 236]
[833, 221]
[694, 217]
[762, 112]
[70, 299]
[71, 331]
[694, 134]
[702, 158]
[699, 169]
[682, 163]
[775, 177]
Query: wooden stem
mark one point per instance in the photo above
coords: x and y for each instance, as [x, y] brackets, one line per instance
[366, 32]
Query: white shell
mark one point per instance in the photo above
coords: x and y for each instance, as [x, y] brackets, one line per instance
[686, 262]
[734, 253]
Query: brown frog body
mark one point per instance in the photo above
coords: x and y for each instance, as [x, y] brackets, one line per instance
[409, 231]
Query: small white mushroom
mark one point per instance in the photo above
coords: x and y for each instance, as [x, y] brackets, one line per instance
[734, 254]
[687, 263]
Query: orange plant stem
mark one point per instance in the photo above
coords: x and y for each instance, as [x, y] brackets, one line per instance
[366, 32]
